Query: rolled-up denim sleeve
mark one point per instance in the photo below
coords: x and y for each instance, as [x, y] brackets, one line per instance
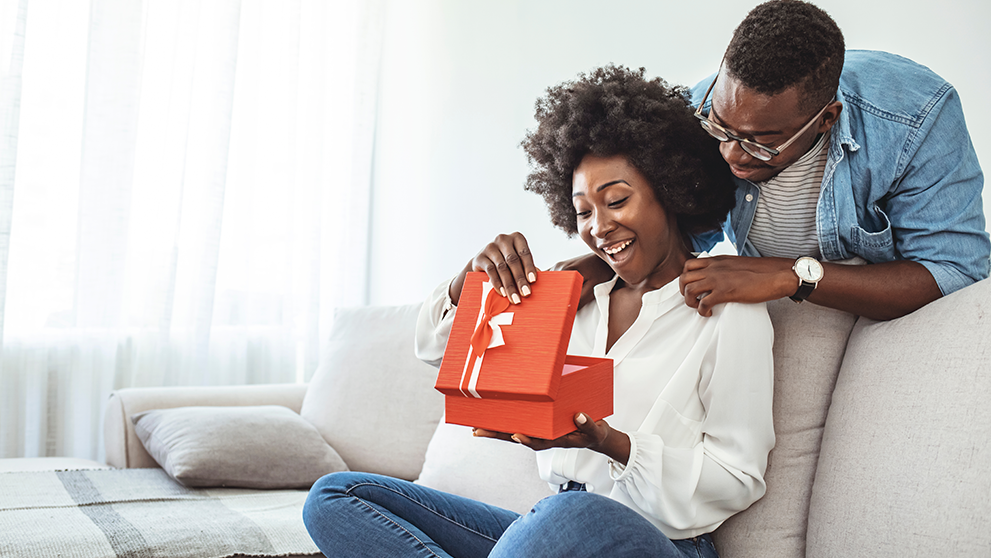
[937, 215]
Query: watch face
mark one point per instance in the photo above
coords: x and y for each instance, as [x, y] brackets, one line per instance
[808, 269]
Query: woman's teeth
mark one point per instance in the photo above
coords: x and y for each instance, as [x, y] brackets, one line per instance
[613, 250]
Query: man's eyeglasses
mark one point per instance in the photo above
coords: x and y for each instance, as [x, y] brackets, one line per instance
[754, 149]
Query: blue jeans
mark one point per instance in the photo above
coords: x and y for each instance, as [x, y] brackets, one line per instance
[361, 514]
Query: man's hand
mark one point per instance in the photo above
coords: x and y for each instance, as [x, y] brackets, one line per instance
[596, 436]
[706, 282]
[881, 291]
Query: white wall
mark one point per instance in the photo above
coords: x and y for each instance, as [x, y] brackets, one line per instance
[460, 79]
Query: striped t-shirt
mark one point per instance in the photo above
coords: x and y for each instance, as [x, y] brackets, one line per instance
[784, 223]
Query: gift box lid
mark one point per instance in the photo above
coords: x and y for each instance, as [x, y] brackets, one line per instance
[500, 350]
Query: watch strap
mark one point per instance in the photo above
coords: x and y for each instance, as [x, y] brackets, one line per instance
[803, 292]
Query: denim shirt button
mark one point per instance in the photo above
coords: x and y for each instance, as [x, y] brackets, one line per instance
[750, 197]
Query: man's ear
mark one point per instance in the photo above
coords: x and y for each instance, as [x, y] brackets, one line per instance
[830, 116]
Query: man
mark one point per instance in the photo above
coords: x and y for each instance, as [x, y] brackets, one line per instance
[854, 157]
[837, 155]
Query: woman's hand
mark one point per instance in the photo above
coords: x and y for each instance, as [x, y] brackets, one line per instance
[509, 265]
[596, 436]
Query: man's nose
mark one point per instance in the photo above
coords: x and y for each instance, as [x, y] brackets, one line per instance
[734, 154]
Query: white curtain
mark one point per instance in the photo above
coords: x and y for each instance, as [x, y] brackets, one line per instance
[184, 198]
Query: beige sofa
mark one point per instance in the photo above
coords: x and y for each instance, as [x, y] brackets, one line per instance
[883, 428]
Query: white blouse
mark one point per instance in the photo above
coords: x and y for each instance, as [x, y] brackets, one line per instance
[693, 394]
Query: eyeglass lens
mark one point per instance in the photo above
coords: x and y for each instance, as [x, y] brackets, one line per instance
[751, 150]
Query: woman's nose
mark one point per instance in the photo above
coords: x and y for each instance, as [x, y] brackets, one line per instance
[602, 224]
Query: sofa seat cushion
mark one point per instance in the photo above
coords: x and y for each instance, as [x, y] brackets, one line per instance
[371, 398]
[25, 464]
[906, 453]
[143, 512]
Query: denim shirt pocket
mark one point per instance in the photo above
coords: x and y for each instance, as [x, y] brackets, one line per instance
[874, 246]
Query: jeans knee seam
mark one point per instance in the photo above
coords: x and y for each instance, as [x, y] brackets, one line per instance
[389, 519]
[417, 502]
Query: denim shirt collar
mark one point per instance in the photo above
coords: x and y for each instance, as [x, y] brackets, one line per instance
[841, 130]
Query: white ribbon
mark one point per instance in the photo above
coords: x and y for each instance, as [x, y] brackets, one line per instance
[472, 366]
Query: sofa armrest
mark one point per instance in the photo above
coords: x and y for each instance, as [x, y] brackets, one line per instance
[124, 449]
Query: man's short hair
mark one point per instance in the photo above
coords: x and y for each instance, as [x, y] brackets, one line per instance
[783, 43]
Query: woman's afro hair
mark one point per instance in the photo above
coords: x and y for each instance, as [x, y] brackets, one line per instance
[616, 111]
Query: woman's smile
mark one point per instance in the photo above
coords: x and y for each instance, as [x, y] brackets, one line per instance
[614, 249]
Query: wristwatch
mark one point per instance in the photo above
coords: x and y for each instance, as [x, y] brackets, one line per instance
[809, 272]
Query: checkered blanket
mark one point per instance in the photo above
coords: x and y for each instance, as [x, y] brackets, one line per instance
[137, 513]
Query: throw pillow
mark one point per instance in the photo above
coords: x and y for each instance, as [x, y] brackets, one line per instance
[250, 447]
[492, 471]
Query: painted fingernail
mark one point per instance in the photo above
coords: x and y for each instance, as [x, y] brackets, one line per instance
[532, 277]
[526, 290]
[502, 291]
[580, 419]
[516, 298]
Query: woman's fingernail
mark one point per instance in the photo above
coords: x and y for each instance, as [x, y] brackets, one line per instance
[580, 419]
[516, 298]
[515, 439]
[526, 290]
[502, 291]
[532, 277]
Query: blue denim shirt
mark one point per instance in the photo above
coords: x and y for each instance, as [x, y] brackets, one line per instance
[902, 180]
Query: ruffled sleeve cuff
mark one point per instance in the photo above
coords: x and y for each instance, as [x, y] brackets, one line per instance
[619, 472]
[433, 325]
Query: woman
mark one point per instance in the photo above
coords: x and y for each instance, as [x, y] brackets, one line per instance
[621, 161]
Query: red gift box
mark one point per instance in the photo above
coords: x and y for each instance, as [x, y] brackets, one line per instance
[505, 367]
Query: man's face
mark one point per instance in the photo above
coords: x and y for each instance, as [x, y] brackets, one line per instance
[768, 120]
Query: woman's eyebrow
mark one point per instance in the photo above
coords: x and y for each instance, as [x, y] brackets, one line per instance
[608, 184]
[602, 187]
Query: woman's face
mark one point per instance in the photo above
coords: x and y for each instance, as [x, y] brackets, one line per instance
[620, 219]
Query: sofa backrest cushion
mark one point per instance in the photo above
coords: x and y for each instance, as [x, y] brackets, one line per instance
[370, 397]
[809, 342]
[905, 466]
[493, 471]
